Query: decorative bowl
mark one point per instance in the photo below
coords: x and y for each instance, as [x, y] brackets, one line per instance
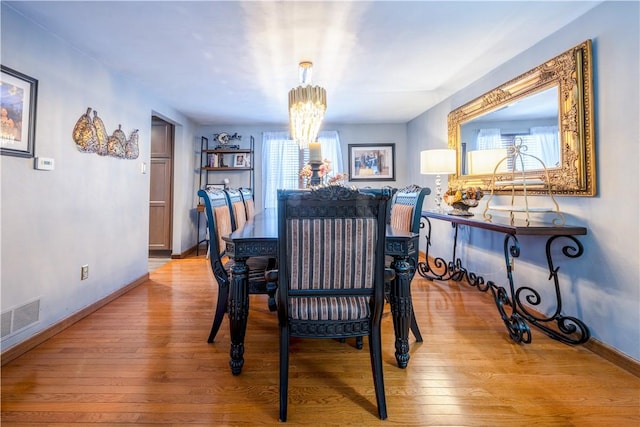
[461, 207]
[461, 200]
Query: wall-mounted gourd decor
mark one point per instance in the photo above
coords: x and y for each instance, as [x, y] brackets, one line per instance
[90, 136]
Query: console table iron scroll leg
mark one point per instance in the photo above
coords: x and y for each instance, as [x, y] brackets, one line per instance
[517, 326]
[440, 269]
[571, 330]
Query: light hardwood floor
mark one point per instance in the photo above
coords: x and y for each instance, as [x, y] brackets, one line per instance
[143, 359]
[156, 263]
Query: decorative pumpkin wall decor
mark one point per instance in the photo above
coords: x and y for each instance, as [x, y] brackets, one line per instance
[131, 149]
[101, 134]
[90, 136]
[117, 142]
[84, 134]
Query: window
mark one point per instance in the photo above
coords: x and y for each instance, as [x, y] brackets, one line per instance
[541, 142]
[282, 161]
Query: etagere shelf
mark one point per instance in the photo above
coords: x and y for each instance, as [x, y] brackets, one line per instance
[218, 159]
[226, 159]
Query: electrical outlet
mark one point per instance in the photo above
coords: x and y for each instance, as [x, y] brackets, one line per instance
[84, 272]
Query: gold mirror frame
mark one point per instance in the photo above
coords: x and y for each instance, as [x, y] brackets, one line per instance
[571, 71]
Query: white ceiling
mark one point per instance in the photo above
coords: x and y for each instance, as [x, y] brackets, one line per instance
[233, 62]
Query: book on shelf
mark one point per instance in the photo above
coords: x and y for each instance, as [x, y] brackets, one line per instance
[212, 160]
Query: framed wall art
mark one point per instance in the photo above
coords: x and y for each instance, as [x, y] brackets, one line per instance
[18, 96]
[372, 162]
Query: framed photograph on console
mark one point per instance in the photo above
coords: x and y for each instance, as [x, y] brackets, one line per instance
[372, 162]
[18, 94]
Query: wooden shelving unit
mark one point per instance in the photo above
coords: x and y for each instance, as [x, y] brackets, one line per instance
[210, 161]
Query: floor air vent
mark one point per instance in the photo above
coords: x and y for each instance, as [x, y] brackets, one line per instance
[20, 317]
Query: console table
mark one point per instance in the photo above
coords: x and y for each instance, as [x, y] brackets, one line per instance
[570, 330]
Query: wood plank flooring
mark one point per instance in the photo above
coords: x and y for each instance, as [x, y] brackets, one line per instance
[143, 360]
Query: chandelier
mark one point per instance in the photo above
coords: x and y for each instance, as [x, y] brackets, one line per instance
[307, 105]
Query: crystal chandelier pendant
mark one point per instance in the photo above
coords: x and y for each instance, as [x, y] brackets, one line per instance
[307, 105]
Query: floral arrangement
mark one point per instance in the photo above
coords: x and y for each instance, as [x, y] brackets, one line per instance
[323, 172]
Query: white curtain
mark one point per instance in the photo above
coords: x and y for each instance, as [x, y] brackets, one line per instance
[331, 150]
[281, 161]
[549, 142]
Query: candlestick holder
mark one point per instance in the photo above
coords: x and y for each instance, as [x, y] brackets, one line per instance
[315, 173]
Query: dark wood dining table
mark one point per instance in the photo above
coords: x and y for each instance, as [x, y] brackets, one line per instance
[259, 237]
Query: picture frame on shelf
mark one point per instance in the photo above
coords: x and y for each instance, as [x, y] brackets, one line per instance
[372, 162]
[215, 187]
[18, 98]
[240, 160]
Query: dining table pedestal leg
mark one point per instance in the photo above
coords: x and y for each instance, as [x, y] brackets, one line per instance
[401, 308]
[238, 313]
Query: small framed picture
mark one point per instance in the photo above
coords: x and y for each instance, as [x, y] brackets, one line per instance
[210, 187]
[372, 162]
[240, 160]
[18, 95]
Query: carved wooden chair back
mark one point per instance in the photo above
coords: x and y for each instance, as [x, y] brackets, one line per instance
[219, 223]
[249, 205]
[331, 272]
[238, 211]
[406, 208]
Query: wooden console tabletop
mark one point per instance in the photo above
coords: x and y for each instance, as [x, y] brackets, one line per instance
[503, 225]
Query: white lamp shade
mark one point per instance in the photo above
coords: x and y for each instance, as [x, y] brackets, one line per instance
[438, 162]
[485, 161]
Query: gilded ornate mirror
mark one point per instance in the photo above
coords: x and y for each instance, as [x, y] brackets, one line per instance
[548, 110]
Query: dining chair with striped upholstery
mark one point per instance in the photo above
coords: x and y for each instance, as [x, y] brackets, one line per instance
[331, 274]
[219, 223]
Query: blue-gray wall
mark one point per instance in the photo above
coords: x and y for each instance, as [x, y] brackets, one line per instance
[91, 209]
[602, 287]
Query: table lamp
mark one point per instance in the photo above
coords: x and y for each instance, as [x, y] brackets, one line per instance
[438, 162]
[482, 162]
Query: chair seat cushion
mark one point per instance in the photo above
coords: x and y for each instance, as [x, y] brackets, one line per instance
[329, 308]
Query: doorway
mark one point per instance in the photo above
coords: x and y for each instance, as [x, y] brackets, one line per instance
[161, 188]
